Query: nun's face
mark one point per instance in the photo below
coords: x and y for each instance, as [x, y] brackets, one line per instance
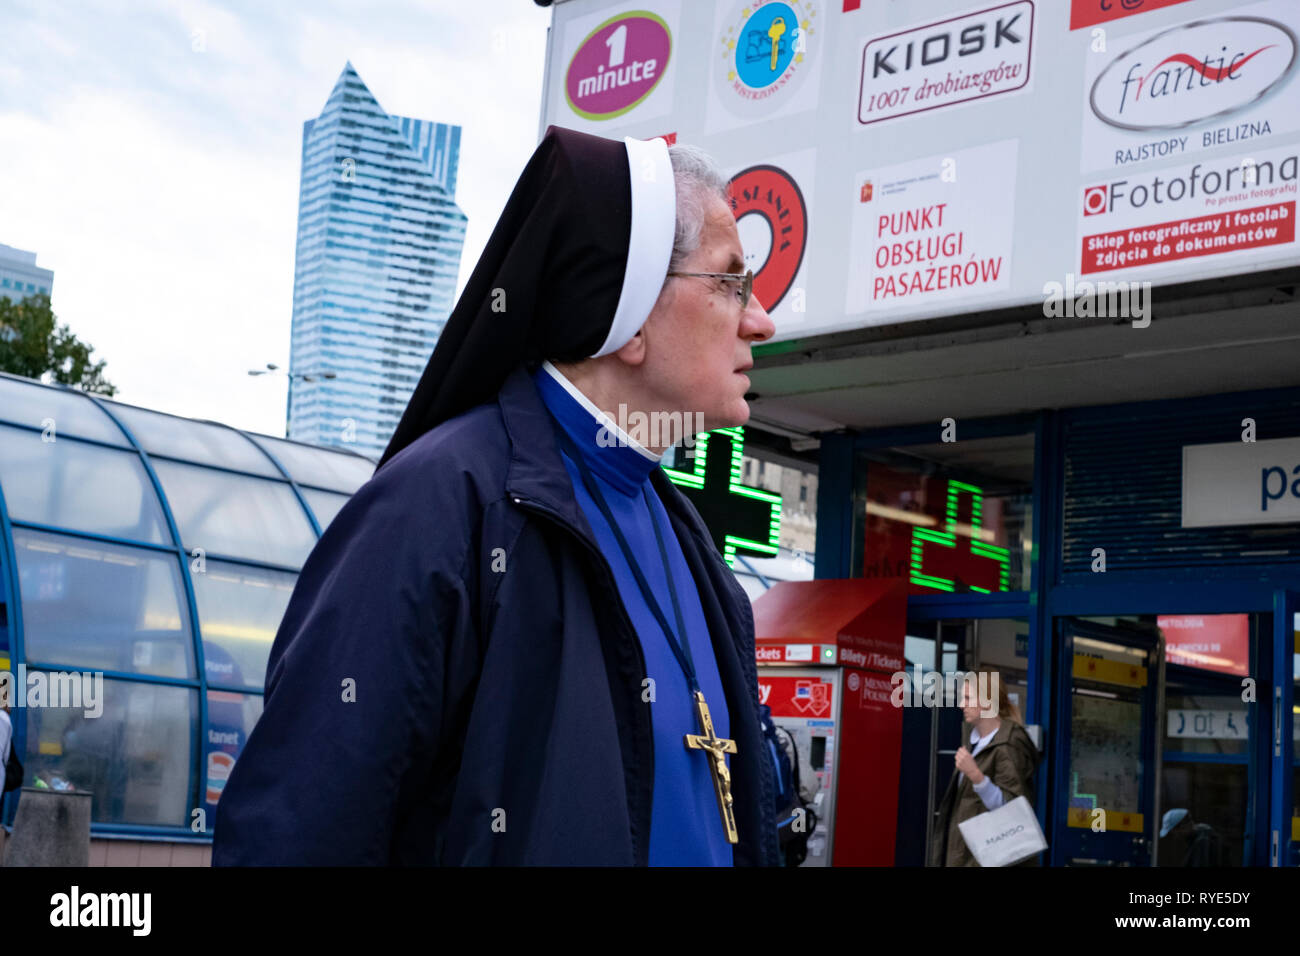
[698, 337]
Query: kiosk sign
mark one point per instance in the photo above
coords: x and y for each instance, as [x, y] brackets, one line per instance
[947, 62]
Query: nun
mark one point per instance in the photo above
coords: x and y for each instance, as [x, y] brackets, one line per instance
[517, 643]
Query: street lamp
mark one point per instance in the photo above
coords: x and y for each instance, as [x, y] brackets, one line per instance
[272, 369]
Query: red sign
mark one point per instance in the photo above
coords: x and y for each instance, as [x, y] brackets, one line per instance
[798, 696]
[1084, 13]
[772, 193]
[1270, 225]
[866, 794]
[1214, 642]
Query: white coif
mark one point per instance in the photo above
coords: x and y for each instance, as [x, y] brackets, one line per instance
[650, 245]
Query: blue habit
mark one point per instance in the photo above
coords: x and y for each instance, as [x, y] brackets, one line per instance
[685, 826]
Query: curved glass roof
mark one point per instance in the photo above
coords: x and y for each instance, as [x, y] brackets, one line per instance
[160, 552]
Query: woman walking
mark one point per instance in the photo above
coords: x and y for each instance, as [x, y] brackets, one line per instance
[996, 768]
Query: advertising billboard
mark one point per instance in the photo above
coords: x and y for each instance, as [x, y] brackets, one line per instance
[896, 162]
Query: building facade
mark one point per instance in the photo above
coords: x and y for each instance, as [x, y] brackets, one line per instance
[20, 276]
[1041, 357]
[379, 245]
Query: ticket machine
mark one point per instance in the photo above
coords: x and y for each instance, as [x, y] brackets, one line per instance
[826, 651]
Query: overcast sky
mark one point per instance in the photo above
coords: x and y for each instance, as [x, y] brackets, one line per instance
[149, 155]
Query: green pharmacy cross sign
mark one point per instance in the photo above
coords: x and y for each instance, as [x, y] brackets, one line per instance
[949, 538]
[738, 517]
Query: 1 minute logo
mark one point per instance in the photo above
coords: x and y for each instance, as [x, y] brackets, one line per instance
[618, 65]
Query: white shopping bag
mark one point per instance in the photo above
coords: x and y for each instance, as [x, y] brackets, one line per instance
[1004, 836]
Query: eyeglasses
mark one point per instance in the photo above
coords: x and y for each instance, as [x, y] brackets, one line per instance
[745, 279]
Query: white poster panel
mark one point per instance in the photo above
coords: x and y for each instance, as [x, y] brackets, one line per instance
[870, 99]
[1239, 483]
[616, 65]
[933, 229]
[765, 60]
[1204, 83]
[1227, 208]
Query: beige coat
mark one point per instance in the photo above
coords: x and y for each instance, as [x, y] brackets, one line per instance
[1009, 759]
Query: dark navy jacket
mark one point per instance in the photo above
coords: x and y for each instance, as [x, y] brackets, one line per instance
[498, 714]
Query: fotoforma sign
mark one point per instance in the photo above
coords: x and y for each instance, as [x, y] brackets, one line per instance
[1239, 483]
[896, 162]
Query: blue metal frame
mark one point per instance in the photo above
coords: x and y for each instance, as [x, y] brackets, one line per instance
[836, 484]
[1044, 568]
[200, 663]
[1283, 760]
[14, 606]
[297, 492]
[1187, 756]
[199, 683]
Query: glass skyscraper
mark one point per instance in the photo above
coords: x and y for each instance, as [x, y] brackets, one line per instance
[379, 245]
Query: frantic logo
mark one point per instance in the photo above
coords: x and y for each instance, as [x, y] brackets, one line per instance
[765, 52]
[618, 65]
[771, 215]
[1170, 81]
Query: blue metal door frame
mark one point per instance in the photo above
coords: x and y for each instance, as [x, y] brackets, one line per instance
[1282, 848]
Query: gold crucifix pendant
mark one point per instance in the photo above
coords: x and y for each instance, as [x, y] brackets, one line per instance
[715, 747]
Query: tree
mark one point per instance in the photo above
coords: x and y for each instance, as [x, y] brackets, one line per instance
[32, 343]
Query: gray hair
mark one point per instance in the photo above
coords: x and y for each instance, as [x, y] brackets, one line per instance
[697, 178]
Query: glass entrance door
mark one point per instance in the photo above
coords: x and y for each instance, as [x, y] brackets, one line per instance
[1108, 709]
